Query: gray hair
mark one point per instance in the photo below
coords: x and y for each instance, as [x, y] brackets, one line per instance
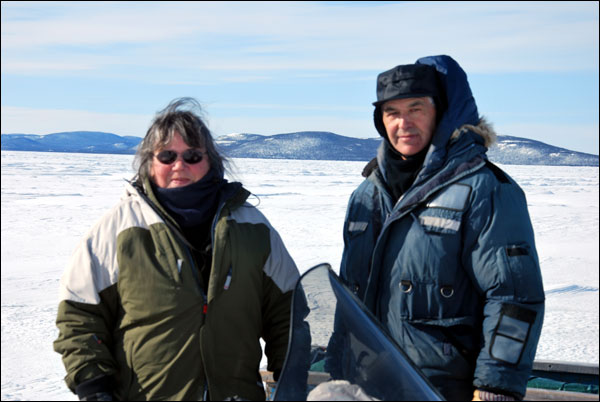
[181, 116]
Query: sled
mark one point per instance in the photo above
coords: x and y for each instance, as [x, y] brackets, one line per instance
[335, 340]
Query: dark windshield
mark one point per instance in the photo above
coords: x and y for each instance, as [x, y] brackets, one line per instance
[333, 337]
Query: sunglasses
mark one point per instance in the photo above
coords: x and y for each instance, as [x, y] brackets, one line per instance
[189, 156]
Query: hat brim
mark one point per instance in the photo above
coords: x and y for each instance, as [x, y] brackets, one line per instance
[403, 96]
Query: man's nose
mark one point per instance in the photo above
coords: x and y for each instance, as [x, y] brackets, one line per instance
[404, 122]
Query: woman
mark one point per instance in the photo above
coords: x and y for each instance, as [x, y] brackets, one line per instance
[168, 294]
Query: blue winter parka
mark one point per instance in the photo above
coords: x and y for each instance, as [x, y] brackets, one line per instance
[451, 269]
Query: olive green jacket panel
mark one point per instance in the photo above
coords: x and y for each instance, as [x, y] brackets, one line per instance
[245, 300]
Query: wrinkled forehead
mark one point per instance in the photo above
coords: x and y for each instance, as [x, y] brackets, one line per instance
[405, 103]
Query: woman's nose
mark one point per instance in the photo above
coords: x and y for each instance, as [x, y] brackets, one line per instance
[179, 163]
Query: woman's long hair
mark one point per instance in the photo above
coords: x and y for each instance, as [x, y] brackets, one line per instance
[181, 116]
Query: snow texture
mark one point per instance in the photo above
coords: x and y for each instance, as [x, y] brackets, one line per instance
[50, 200]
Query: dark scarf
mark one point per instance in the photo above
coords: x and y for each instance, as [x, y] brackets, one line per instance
[194, 207]
[195, 204]
[400, 173]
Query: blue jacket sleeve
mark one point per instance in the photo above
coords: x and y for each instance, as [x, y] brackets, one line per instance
[501, 259]
[360, 232]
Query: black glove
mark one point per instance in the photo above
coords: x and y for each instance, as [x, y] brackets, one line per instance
[96, 389]
[99, 396]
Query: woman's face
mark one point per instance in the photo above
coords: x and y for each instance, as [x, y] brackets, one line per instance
[178, 173]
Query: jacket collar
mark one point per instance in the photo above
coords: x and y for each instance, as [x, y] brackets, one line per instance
[233, 195]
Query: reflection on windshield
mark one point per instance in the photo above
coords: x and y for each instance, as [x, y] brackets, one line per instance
[337, 349]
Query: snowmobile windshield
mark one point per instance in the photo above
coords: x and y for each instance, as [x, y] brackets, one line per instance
[338, 350]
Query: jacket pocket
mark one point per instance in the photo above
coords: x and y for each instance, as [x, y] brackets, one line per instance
[443, 213]
[525, 272]
[356, 228]
[440, 221]
[449, 345]
[356, 258]
[236, 377]
[511, 334]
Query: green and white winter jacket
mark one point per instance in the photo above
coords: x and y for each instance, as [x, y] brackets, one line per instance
[132, 305]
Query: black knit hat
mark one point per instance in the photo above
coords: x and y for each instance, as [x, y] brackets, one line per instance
[408, 81]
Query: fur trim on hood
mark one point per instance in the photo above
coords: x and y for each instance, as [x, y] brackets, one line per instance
[483, 129]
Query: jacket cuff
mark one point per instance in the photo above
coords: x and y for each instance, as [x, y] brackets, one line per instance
[97, 385]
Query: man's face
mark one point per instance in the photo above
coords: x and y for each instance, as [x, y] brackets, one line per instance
[409, 123]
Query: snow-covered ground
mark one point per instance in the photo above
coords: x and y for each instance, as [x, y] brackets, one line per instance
[49, 200]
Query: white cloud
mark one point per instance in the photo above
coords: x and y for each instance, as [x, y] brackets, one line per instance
[279, 107]
[93, 24]
[167, 46]
[484, 36]
[21, 66]
[46, 121]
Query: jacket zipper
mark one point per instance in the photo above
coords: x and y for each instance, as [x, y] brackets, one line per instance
[395, 215]
[186, 247]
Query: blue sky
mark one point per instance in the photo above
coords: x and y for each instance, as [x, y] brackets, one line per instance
[279, 67]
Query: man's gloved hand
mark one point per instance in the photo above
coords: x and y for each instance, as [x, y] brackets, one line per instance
[96, 389]
[481, 395]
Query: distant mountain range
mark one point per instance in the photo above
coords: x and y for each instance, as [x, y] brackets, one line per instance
[92, 142]
[310, 145]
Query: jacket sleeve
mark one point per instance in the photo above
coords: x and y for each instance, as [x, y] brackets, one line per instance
[500, 256]
[87, 314]
[281, 276]
[84, 341]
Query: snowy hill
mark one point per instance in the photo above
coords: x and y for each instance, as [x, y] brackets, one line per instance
[76, 141]
[312, 145]
[522, 151]
[307, 145]
[328, 146]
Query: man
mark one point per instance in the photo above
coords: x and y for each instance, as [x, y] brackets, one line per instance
[438, 240]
